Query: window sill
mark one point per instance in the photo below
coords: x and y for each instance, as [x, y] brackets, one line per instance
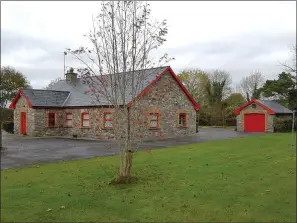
[182, 127]
[52, 127]
[67, 126]
[154, 128]
[105, 128]
[85, 127]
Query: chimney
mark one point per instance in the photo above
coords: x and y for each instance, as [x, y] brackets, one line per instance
[71, 76]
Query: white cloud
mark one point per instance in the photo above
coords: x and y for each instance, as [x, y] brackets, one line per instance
[237, 36]
[27, 55]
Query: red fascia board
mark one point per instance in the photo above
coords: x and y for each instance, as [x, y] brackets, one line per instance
[146, 89]
[196, 106]
[237, 111]
[17, 97]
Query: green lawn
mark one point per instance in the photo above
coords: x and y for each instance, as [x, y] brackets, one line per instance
[244, 179]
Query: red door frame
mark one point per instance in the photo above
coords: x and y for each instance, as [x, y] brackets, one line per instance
[23, 125]
[258, 124]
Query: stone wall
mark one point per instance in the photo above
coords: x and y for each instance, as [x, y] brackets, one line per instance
[269, 126]
[239, 124]
[41, 123]
[22, 106]
[94, 131]
[165, 97]
[168, 99]
[257, 109]
[37, 121]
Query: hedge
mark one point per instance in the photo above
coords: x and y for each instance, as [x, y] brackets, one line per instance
[7, 114]
[8, 126]
[283, 124]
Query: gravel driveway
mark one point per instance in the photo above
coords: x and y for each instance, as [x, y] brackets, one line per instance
[26, 151]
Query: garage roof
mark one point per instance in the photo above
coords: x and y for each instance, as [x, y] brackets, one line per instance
[276, 107]
[272, 107]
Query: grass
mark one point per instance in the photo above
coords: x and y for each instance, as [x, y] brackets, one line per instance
[250, 179]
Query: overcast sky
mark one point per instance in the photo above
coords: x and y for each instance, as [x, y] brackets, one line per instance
[238, 37]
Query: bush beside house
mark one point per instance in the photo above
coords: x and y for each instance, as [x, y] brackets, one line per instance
[8, 126]
[283, 124]
[7, 123]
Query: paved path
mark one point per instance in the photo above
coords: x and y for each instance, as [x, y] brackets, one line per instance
[26, 151]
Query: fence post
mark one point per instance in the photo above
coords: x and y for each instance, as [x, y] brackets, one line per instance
[293, 124]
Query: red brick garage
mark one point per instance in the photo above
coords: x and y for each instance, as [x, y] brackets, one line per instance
[258, 115]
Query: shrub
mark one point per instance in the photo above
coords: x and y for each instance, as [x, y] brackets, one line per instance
[8, 126]
[204, 117]
[283, 124]
[231, 121]
[7, 114]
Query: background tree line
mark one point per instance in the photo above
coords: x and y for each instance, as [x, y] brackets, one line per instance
[217, 99]
[212, 90]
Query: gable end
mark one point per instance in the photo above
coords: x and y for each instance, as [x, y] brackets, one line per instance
[237, 111]
[170, 71]
[17, 97]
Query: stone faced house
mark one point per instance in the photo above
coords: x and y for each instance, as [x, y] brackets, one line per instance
[66, 110]
[258, 115]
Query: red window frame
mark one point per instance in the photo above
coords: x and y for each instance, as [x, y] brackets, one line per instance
[49, 119]
[85, 119]
[153, 120]
[67, 119]
[184, 119]
[107, 119]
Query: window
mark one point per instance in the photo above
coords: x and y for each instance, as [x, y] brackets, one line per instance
[85, 119]
[154, 120]
[182, 120]
[51, 119]
[254, 106]
[107, 120]
[69, 119]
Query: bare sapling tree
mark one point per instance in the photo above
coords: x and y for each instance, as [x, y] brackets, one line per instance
[251, 85]
[115, 66]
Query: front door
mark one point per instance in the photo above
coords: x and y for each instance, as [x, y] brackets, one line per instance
[23, 122]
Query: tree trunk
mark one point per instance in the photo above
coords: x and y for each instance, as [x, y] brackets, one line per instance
[126, 165]
[126, 161]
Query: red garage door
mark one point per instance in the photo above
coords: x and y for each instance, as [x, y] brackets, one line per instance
[254, 122]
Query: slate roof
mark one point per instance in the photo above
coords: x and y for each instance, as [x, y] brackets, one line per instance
[275, 106]
[66, 94]
[46, 97]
